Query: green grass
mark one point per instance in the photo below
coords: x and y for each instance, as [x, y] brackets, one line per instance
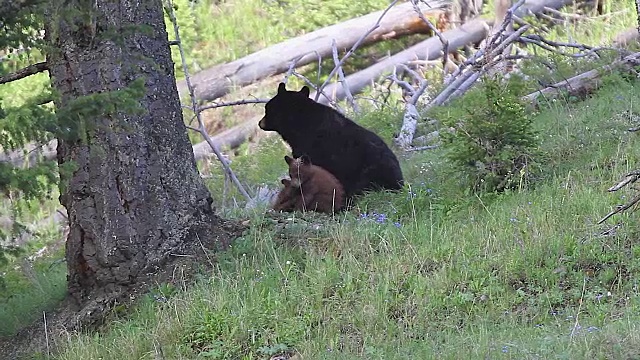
[524, 274]
[446, 274]
[31, 288]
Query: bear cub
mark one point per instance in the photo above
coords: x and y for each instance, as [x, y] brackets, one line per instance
[357, 157]
[311, 188]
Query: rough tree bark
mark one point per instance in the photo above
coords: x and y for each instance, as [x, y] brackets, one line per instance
[638, 14]
[135, 200]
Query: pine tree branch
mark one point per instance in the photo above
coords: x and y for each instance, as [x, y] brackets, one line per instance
[24, 72]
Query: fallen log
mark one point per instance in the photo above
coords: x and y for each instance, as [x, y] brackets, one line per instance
[470, 32]
[584, 83]
[473, 31]
[400, 20]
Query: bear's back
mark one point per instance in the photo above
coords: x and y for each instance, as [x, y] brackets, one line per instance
[358, 157]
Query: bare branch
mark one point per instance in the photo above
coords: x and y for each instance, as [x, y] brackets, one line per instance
[352, 50]
[620, 208]
[629, 179]
[481, 65]
[292, 67]
[201, 127]
[422, 148]
[403, 84]
[342, 79]
[445, 42]
[554, 46]
[318, 91]
[216, 105]
[24, 72]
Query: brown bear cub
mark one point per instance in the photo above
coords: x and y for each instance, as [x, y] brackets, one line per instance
[311, 188]
[288, 198]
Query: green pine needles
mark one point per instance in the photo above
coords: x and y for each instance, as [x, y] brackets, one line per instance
[494, 144]
[28, 116]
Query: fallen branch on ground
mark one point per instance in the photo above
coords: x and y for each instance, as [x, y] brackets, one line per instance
[554, 46]
[629, 179]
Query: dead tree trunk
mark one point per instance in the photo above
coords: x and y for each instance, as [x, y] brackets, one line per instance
[133, 195]
[219, 80]
[471, 32]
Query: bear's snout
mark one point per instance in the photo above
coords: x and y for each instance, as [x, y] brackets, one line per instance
[262, 123]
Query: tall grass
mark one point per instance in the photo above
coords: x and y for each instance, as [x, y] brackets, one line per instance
[427, 273]
[432, 272]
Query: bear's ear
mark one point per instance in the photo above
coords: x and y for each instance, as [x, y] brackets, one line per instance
[285, 182]
[282, 88]
[305, 159]
[304, 91]
[288, 159]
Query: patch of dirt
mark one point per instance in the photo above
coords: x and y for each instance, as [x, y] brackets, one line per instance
[68, 318]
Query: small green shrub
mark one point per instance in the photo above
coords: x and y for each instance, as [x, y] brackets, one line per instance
[493, 144]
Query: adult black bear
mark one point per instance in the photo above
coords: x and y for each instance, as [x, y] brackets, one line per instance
[356, 156]
[311, 188]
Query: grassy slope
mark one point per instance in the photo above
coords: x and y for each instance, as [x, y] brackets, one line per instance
[525, 274]
[460, 276]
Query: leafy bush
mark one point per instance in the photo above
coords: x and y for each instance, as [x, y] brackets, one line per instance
[494, 143]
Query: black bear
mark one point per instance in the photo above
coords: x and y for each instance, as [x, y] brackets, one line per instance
[356, 156]
[311, 188]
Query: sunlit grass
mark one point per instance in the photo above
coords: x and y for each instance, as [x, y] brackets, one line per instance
[525, 274]
[441, 274]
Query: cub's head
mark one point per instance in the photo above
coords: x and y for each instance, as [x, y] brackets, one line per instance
[285, 109]
[299, 169]
[290, 184]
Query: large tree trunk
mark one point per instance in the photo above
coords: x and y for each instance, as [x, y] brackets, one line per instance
[135, 199]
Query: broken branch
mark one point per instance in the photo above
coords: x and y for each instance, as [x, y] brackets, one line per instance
[24, 72]
[341, 78]
[351, 51]
[231, 103]
[620, 208]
